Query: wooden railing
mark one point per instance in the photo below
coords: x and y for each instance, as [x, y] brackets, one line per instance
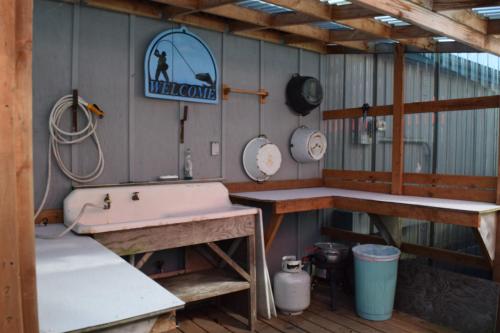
[473, 188]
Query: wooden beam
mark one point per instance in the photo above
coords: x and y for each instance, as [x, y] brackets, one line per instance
[17, 266]
[272, 230]
[223, 255]
[11, 319]
[23, 133]
[435, 22]
[459, 104]
[419, 250]
[273, 185]
[293, 18]
[398, 121]
[325, 12]
[145, 9]
[469, 18]
[439, 5]
[498, 169]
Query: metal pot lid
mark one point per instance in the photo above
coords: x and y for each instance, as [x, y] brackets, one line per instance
[325, 246]
[261, 159]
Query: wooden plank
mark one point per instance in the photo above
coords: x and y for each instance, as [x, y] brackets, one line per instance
[11, 309]
[23, 134]
[273, 185]
[164, 323]
[496, 263]
[419, 250]
[126, 242]
[459, 104]
[272, 230]
[409, 211]
[303, 205]
[188, 326]
[202, 285]
[358, 175]
[324, 312]
[484, 182]
[359, 186]
[439, 5]
[143, 260]
[49, 216]
[456, 193]
[252, 293]
[398, 121]
[498, 166]
[214, 247]
[432, 21]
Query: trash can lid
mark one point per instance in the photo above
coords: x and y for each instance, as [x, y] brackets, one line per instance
[375, 252]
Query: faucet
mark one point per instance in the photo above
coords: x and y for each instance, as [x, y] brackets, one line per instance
[107, 201]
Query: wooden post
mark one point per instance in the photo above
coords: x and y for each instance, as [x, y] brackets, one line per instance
[398, 121]
[18, 312]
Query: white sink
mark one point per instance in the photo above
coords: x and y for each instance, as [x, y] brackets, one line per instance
[156, 205]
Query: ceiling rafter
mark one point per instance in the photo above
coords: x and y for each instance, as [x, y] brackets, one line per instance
[439, 5]
[435, 22]
[463, 15]
[368, 25]
[295, 29]
[265, 20]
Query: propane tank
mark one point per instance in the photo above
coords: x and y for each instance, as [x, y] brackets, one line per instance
[292, 287]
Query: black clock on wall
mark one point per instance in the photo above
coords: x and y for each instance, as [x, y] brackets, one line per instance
[303, 94]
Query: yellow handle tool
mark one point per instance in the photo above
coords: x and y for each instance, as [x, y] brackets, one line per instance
[96, 110]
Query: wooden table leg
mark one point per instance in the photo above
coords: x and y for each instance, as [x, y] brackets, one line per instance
[252, 293]
[272, 230]
[496, 266]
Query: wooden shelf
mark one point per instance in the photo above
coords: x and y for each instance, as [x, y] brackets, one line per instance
[262, 93]
[202, 285]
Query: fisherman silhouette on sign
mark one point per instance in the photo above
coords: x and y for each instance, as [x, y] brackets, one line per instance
[162, 66]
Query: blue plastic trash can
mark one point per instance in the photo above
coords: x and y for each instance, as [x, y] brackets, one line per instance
[375, 274]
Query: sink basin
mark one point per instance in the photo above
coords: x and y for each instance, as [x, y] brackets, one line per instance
[156, 205]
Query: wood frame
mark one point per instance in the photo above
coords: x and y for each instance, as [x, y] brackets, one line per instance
[18, 307]
[297, 28]
[147, 240]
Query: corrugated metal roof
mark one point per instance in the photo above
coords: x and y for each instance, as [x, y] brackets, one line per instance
[331, 26]
[491, 13]
[337, 2]
[443, 39]
[264, 7]
[391, 21]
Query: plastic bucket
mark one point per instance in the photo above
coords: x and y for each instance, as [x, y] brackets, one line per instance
[375, 273]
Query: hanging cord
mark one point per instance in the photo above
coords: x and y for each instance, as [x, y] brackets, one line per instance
[59, 137]
[68, 229]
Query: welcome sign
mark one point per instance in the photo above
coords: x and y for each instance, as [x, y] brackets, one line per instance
[179, 66]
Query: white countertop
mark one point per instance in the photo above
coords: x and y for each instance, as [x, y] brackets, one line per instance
[81, 284]
[319, 192]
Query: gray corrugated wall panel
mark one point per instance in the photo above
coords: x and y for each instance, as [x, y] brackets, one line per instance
[156, 121]
[143, 133]
[203, 123]
[310, 67]
[51, 80]
[242, 111]
[358, 90]
[334, 100]
[102, 34]
[279, 64]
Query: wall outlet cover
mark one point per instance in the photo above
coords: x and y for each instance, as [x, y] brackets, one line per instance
[214, 148]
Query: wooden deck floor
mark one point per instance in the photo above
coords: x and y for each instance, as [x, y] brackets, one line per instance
[317, 319]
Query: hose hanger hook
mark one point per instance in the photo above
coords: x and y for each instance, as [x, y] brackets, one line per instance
[365, 108]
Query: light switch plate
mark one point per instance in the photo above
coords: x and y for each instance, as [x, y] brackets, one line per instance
[214, 148]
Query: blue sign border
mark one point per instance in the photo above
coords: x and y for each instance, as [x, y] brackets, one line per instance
[152, 45]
